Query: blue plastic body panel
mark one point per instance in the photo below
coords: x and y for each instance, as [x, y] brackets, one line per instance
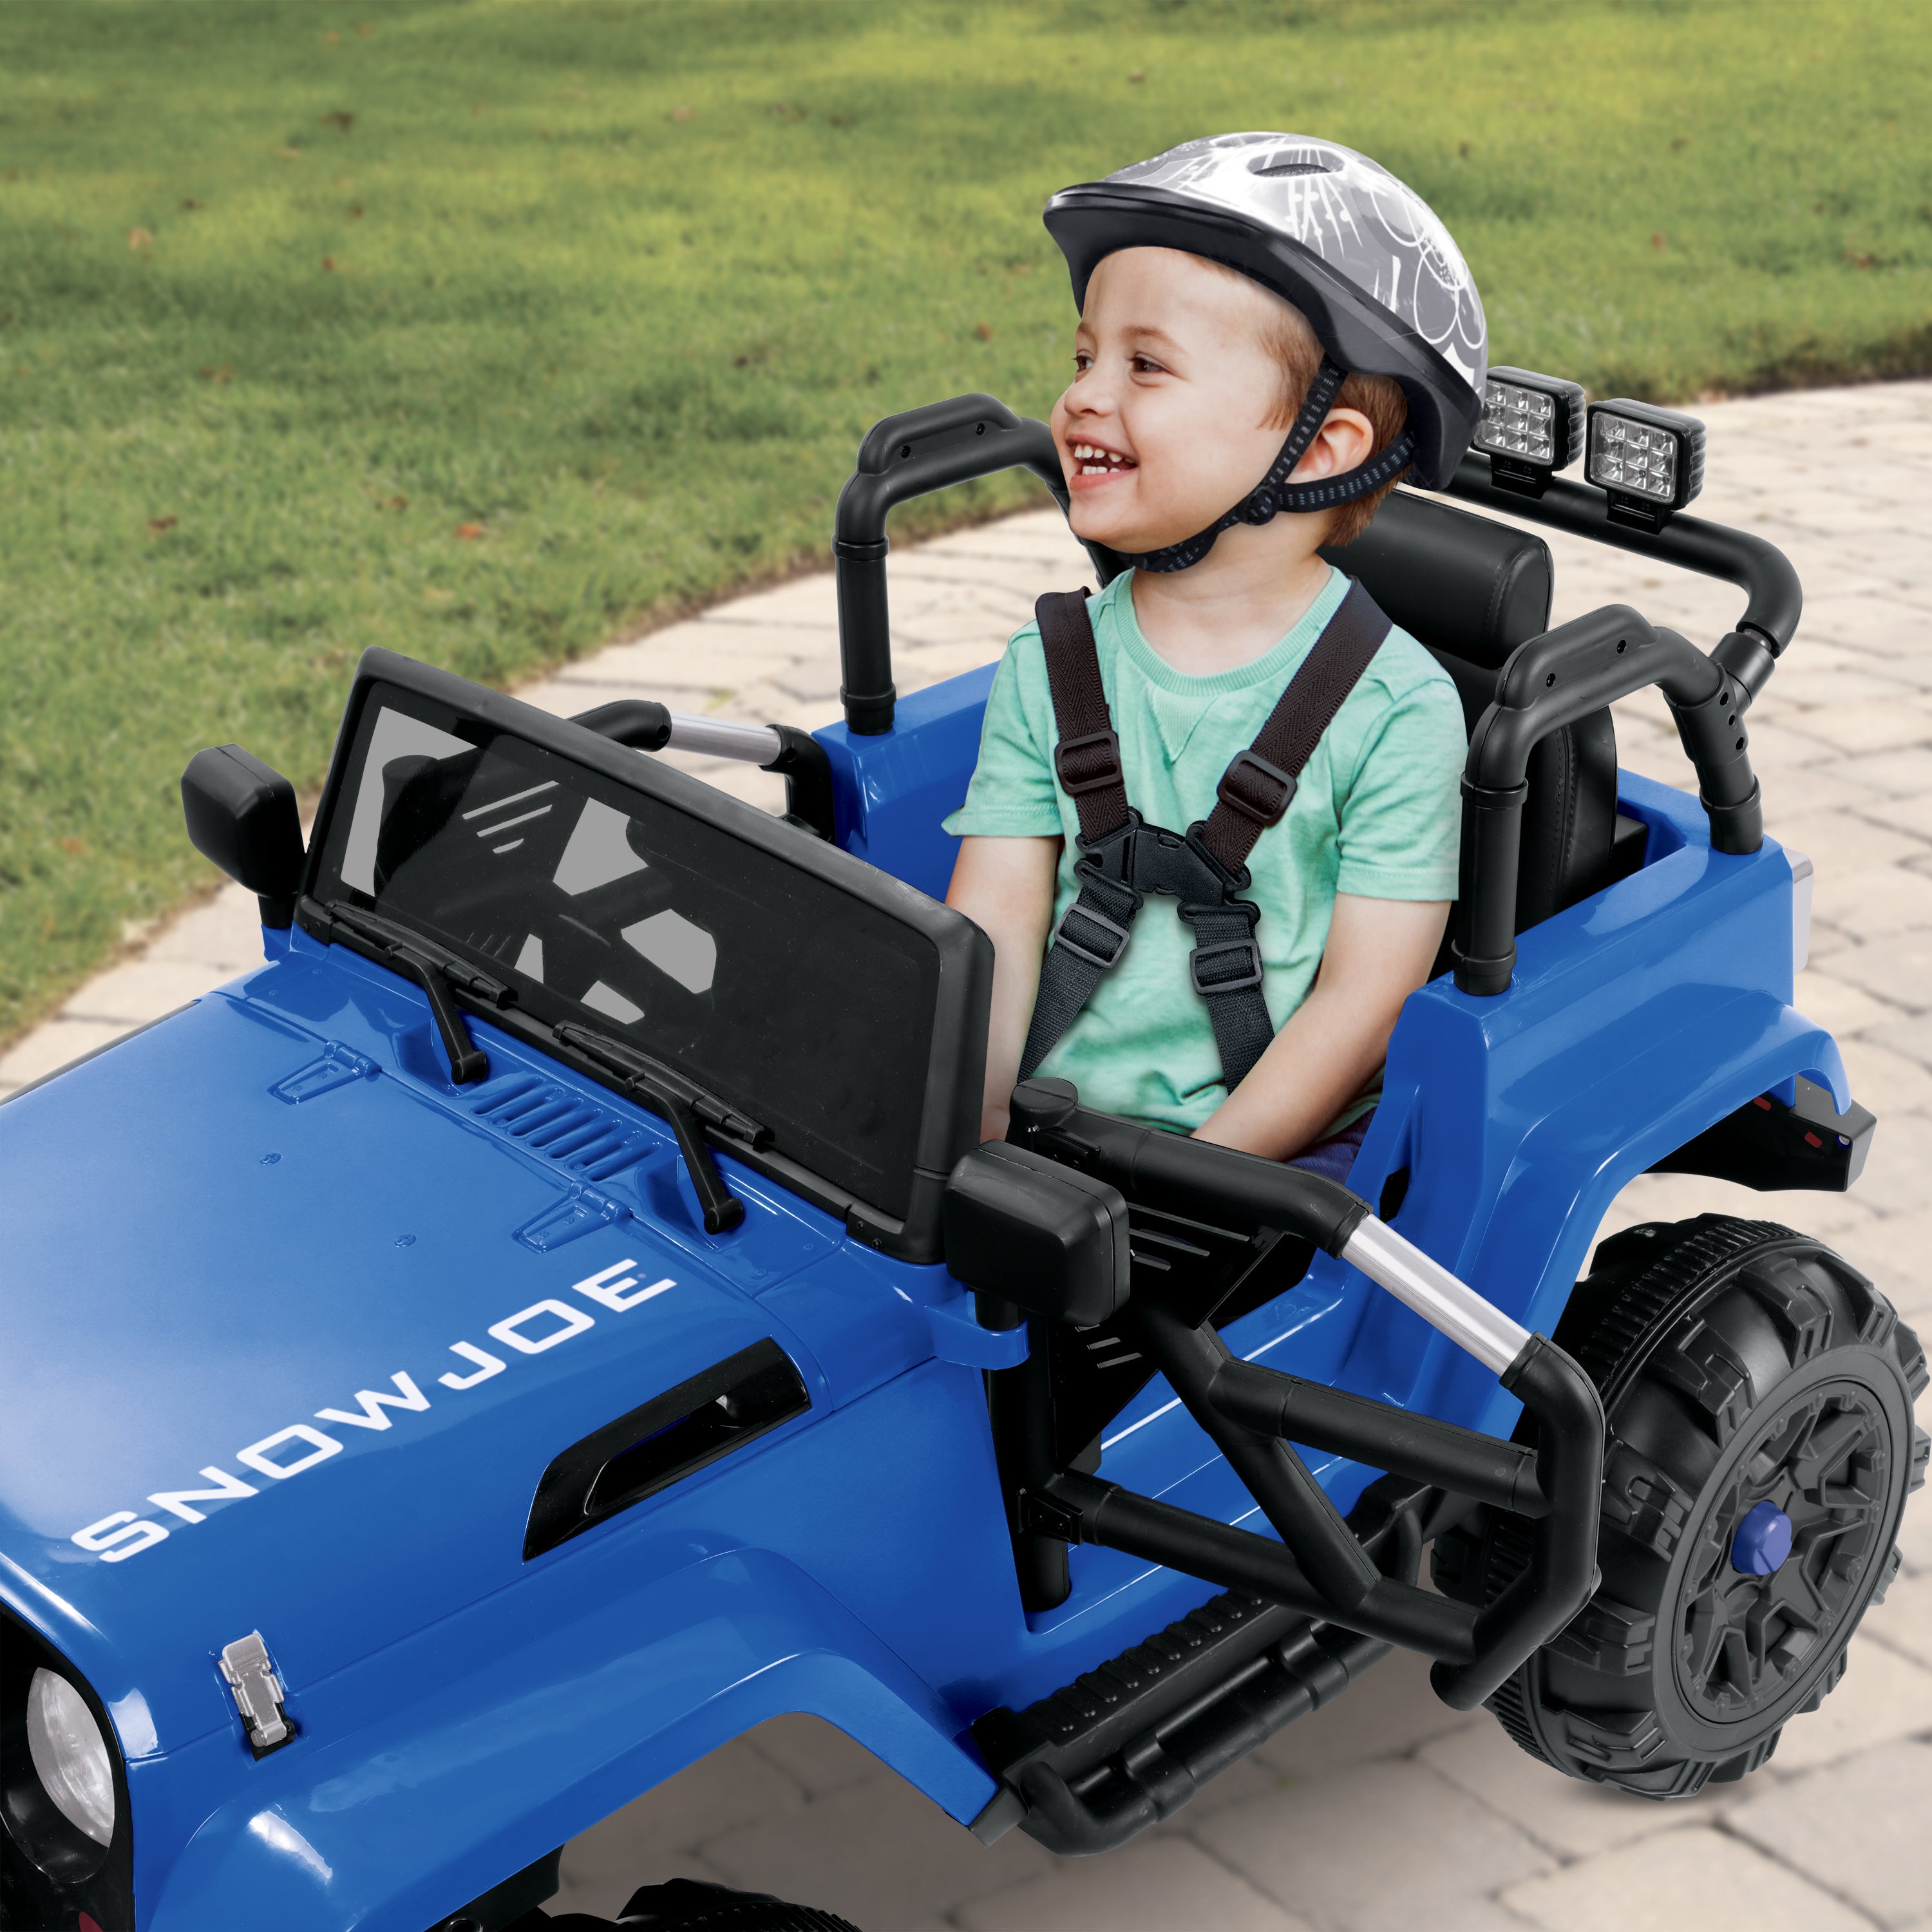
[893, 789]
[250, 1213]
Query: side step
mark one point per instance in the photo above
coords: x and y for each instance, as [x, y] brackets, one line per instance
[1128, 1744]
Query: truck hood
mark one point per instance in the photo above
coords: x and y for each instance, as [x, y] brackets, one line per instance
[264, 1249]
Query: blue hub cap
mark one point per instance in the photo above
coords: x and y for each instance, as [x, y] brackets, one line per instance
[1762, 1542]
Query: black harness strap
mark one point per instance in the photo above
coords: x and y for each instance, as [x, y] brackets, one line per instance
[1122, 858]
[1093, 931]
[1258, 787]
[1087, 761]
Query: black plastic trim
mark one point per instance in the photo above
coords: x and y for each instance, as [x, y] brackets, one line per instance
[1127, 1745]
[639, 722]
[807, 771]
[1043, 1236]
[1770, 1146]
[1562, 1574]
[241, 815]
[673, 1435]
[1174, 1173]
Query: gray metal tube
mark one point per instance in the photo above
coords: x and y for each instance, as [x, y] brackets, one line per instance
[1450, 1306]
[720, 738]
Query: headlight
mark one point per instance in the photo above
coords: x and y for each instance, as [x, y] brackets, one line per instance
[70, 1756]
[66, 1844]
[1532, 426]
[1650, 462]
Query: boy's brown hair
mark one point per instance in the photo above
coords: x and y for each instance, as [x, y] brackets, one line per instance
[1292, 344]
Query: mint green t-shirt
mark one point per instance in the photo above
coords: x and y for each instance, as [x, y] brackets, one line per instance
[1375, 814]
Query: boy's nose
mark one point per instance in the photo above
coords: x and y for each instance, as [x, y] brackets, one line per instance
[1089, 394]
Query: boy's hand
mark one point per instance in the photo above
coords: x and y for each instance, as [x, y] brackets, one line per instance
[1005, 887]
[1379, 951]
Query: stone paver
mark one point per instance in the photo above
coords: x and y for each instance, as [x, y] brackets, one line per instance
[1683, 1881]
[1147, 1886]
[1386, 1809]
[1372, 1848]
[1858, 1827]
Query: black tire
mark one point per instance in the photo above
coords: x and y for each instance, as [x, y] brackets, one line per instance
[690, 1905]
[1740, 1363]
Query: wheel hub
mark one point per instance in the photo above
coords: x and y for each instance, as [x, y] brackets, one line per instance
[1776, 1565]
[1762, 1542]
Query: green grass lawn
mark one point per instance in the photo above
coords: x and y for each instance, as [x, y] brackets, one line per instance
[483, 328]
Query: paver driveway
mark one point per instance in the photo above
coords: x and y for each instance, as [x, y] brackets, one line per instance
[1387, 1810]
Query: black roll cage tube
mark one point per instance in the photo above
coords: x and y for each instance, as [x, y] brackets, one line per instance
[1254, 1415]
[1774, 597]
[1553, 680]
[905, 456]
[1565, 674]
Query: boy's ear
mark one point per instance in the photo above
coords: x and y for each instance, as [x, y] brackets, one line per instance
[1345, 441]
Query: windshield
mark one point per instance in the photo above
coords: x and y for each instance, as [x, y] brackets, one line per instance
[605, 906]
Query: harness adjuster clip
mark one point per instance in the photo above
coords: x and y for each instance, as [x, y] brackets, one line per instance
[1098, 778]
[1272, 790]
[1252, 977]
[1061, 937]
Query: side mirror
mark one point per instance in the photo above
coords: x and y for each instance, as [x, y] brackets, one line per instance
[241, 815]
[1023, 1229]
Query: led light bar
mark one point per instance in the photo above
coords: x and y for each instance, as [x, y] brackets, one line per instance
[1649, 461]
[1532, 426]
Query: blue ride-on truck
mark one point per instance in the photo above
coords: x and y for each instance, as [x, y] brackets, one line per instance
[553, 1315]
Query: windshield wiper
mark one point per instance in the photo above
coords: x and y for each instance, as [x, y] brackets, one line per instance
[435, 969]
[688, 1107]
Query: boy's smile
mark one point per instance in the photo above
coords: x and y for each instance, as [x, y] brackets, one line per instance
[1095, 463]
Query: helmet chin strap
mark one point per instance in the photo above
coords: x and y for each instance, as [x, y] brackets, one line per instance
[1275, 492]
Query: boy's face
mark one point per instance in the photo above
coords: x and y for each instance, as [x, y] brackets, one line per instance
[1170, 416]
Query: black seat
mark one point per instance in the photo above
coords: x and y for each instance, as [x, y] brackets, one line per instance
[1472, 589]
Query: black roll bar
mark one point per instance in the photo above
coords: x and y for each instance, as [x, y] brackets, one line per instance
[1553, 680]
[1774, 598]
[904, 456]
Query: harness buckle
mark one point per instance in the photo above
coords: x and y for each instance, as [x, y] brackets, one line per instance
[1252, 977]
[1265, 797]
[1092, 954]
[1079, 772]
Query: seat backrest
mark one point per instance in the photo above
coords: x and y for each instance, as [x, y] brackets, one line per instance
[1471, 589]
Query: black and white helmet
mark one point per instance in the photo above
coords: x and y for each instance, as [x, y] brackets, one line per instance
[1362, 257]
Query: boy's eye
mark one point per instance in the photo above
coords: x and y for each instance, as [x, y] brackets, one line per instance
[1145, 365]
[1082, 364]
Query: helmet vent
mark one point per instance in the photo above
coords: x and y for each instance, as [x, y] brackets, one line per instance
[1273, 168]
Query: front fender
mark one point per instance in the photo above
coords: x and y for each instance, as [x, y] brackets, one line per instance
[453, 1787]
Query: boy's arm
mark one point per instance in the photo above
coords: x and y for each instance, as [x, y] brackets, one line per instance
[1379, 951]
[1005, 887]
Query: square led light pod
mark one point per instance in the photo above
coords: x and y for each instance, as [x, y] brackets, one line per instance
[1532, 426]
[1650, 462]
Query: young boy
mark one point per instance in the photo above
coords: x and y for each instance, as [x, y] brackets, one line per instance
[1230, 289]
